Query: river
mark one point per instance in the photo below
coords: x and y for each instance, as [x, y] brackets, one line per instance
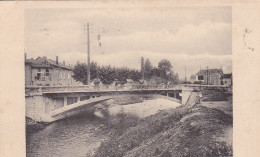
[81, 135]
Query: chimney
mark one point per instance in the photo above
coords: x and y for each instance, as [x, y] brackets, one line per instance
[25, 56]
[44, 58]
[57, 60]
[63, 62]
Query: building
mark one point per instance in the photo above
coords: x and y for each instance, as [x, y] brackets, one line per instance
[129, 83]
[47, 72]
[226, 79]
[192, 78]
[210, 76]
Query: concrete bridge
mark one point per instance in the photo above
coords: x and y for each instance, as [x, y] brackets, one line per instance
[48, 104]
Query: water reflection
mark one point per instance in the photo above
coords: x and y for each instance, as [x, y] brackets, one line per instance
[69, 137]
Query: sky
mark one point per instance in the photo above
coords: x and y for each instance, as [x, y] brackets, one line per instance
[191, 37]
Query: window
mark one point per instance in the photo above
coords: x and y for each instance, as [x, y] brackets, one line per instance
[38, 75]
[47, 72]
[200, 78]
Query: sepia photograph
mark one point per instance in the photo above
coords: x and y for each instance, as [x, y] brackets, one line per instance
[128, 81]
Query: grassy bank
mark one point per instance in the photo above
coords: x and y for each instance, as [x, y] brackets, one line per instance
[196, 131]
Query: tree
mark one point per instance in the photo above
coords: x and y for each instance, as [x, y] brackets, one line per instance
[147, 69]
[80, 72]
[164, 67]
[107, 74]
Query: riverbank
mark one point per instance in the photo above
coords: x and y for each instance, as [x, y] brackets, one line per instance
[33, 126]
[202, 130]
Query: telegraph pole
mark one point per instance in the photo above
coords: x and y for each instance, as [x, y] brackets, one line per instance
[185, 75]
[88, 72]
[142, 67]
[207, 75]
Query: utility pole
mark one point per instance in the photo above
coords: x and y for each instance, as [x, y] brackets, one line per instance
[207, 75]
[88, 70]
[142, 67]
[185, 75]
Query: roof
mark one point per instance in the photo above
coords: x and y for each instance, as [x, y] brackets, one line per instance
[53, 63]
[42, 62]
[209, 71]
[226, 76]
[38, 63]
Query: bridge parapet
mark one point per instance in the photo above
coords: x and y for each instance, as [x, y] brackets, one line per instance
[65, 88]
[202, 87]
[32, 90]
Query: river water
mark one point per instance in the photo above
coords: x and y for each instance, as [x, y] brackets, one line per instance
[80, 136]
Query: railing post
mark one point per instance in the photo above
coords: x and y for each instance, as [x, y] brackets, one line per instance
[65, 100]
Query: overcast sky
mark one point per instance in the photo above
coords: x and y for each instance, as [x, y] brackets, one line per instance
[191, 37]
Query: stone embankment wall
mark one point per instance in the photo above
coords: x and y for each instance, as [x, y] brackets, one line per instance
[193, 99]
[192, 95]
[215, 94]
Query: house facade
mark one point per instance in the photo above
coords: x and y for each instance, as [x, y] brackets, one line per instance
[226, 79]
[193, 78]
[47, 72]
[209, 76]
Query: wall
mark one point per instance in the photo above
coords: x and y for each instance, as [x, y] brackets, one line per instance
[227, 81]
[214, 94]
[40, 82]
[214, 79]
[186, 92]
[207, 93]
[63, 78]
[58, 77]
[35, 107]
[211, 79]
[38, 107]
[194, 98]
[28, 75]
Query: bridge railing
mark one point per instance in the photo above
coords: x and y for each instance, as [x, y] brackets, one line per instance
[155, 86]
[83, 88]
